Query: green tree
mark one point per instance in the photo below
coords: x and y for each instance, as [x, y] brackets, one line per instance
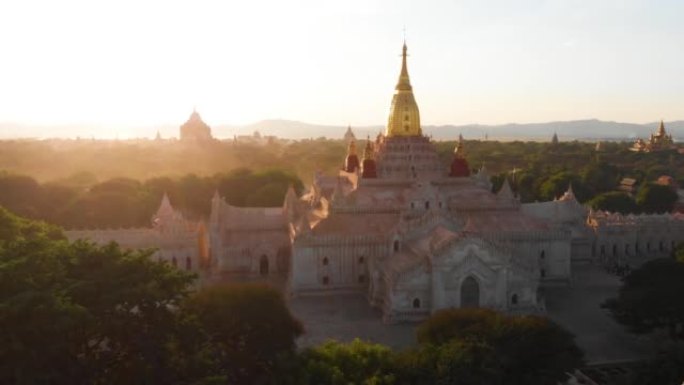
[528, 349]
[555, 185]
[269, 195]
[649, 298]
[21, 194]
[357, 362]
[237, 333]
[129, 299]
[654, 198]
[14, 229]
[600, 177]
[614, 202]
[679, 252]
[665, 368]
[79, 313]
[458, 362]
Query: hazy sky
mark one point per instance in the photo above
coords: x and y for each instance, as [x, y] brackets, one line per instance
[133, 63]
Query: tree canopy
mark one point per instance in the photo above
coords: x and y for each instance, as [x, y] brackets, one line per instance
[79, 313]
[500, 348]
[655, 198]
[237, 333]
[614, 202]
[679, 252]
[649, 298]
[126, 202]
[665, 368]
[356, 362]
[79, 184]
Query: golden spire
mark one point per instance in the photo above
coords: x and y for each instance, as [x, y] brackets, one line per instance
[404, 83]
[661, 129]
[404, 118]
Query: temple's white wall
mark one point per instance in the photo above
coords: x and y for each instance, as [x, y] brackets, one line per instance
[180, 250]
[332, 266]
[251, 252]
[619, 237]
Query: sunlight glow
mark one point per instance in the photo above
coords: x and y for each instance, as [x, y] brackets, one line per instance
[134, 63]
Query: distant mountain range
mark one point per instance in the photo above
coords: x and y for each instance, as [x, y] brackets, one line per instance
[569, 130]
[590, 130]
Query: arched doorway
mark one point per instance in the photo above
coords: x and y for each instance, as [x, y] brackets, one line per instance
[470, 293]
[263, 265]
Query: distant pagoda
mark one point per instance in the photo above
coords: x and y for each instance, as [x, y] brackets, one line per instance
[349, 135]
[659, 141]
[195, 130]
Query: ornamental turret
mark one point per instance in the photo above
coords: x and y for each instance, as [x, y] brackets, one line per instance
[554, 139]
[351, 163]
[369, 169]
[404, 118]
[459, 165]
[661, 129]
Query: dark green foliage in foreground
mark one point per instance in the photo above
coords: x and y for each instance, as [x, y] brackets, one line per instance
[453, 362]
[666, 368]
[14, 229]
[357, 362]
[487, 347]
[650, 299]
[679, 252]
[236, 334]
[78, 313]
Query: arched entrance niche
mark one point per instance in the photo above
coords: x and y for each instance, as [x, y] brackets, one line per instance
[263, 265]
[470, 293]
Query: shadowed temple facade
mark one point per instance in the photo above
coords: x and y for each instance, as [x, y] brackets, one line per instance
[412, 234]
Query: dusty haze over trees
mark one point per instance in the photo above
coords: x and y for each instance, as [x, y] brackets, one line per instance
[79, 184]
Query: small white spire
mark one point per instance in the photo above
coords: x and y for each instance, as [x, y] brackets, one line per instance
[505, 191]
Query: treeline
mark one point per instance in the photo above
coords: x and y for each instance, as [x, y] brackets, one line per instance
[63, 160]
[100, 160]
[126, 202]
[543, 172]
[96, 183]
[77, 313]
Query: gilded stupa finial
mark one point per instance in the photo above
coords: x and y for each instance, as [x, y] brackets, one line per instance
[404, 82]
[404, 118]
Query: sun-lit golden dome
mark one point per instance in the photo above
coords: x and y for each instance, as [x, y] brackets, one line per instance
[404, 118]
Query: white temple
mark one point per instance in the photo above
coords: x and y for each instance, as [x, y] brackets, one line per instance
[412, 234]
